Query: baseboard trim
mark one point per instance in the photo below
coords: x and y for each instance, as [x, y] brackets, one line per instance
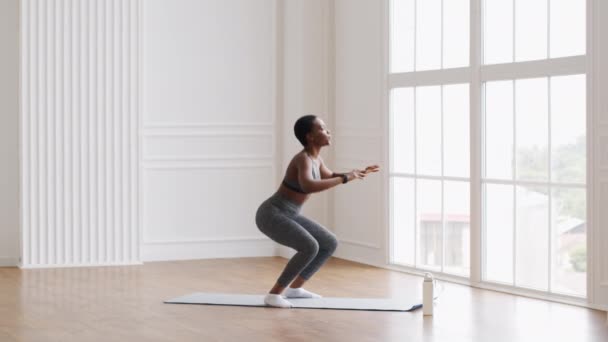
[360, 254]
[103, 264]
[9, 262]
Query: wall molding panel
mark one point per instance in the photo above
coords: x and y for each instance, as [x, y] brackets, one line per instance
[186, 241]
[185, 125]
[216, 145]
[209, 127]
[191, 250]
[81, 108]
[215, 214]
[174, 165]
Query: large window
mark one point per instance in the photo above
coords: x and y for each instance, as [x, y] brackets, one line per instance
[430, 176]
[429, 34]
[534, 183]
[512, 78]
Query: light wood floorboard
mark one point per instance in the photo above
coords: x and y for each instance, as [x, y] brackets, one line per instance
[126, 304]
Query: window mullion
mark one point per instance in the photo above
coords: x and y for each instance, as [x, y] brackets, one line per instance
[550, 189]
[442, 182]
[415, 179]
[430, 77]
[534, 69]
[514, 178]
[475, 53]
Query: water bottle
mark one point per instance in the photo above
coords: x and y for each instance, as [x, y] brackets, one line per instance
[427, 294]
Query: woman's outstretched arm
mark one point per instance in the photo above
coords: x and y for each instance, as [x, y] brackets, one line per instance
[310, 185]
[327, 173]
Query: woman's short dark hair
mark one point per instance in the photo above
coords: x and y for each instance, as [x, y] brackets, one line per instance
[303, 126]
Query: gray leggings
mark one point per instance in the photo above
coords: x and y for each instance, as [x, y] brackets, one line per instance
[280, 220]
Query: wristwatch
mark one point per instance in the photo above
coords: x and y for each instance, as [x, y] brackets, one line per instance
[344, 178]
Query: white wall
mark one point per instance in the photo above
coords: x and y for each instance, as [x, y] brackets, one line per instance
[216, 129]
[209, 127]
[226, 81]
[9, 133]
[360, 208]
[80, 116]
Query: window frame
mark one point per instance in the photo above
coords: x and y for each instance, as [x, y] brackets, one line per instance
[476, 75]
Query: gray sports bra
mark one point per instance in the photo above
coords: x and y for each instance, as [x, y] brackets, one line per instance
[295, 186]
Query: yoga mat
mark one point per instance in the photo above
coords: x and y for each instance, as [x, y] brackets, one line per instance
[335, 303]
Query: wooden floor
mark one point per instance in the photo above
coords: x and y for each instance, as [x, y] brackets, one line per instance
[125, 304]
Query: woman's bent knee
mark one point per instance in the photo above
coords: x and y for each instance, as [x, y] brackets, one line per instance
[310, 248]
[332, 243]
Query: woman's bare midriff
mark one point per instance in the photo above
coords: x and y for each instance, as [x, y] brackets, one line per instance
[293, 196]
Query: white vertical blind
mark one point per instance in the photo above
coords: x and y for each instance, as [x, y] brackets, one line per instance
[81, 92]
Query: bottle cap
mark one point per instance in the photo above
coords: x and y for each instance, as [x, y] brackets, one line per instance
[428, 276]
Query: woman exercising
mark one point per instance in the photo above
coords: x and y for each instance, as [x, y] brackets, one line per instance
[279, 216]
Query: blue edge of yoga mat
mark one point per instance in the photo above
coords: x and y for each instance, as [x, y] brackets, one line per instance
[330, 303]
